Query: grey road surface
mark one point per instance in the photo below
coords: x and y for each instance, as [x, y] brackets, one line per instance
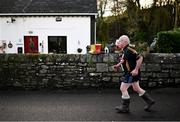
[86, 105]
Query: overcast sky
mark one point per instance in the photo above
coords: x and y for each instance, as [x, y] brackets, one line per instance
[146, 2]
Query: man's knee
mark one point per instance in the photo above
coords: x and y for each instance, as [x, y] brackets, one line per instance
[123, 89]
[135, 89]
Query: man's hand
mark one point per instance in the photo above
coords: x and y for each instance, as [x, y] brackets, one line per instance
[134, 72]
[116, 67]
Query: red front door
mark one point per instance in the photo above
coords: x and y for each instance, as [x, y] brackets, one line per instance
[30, 44]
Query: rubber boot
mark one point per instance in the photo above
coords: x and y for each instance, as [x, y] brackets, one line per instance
[146, 97]
[124, 108]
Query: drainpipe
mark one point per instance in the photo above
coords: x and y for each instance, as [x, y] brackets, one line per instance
[95, 29]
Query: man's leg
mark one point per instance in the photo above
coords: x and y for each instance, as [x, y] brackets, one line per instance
[124, 108]
[144, 95]
[137, 88]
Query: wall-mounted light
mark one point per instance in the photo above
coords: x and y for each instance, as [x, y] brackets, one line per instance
[12, 20]
[30, 32]
[58, 19]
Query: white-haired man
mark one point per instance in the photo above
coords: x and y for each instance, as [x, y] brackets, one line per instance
[131, 62]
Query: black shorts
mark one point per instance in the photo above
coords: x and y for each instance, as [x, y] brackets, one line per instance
[128, 78]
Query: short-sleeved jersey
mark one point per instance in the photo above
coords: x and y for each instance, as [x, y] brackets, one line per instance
[130, 56]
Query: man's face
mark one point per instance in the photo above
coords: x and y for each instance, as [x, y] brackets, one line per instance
[120, 45]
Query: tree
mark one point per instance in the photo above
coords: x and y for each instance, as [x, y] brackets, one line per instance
[101, 4]
[177, 10]
[102, 29]
[140, 23]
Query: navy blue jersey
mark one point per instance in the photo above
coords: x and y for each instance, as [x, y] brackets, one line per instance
[130, 57]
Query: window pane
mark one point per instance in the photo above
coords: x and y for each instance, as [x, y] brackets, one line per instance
[57, 44]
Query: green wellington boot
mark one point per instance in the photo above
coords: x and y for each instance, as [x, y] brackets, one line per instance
[146, 97]
[124, 108]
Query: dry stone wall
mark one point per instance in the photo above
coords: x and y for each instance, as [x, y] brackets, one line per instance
[18, 71]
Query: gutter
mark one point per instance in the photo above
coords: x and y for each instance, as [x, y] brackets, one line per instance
[48, 14]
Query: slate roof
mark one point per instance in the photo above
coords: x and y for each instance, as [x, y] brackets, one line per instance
[48, 6]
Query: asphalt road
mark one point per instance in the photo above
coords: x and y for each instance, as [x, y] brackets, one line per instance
[86, 105]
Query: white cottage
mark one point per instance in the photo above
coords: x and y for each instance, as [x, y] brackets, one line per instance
[47, 26]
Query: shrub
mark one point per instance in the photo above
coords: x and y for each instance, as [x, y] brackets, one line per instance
[168, 42]
[140, 37]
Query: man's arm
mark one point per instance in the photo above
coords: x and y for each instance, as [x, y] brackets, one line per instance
[139, 63]
[138, 66]
[120, 62]
[118, 65]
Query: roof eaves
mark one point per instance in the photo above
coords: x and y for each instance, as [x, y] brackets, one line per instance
[46, 14]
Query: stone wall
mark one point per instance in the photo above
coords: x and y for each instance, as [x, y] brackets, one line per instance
[82, 71]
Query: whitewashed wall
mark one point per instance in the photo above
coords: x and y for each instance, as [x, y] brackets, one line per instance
[75, 28]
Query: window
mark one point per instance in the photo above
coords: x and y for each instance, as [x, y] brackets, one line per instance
[57, 44]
